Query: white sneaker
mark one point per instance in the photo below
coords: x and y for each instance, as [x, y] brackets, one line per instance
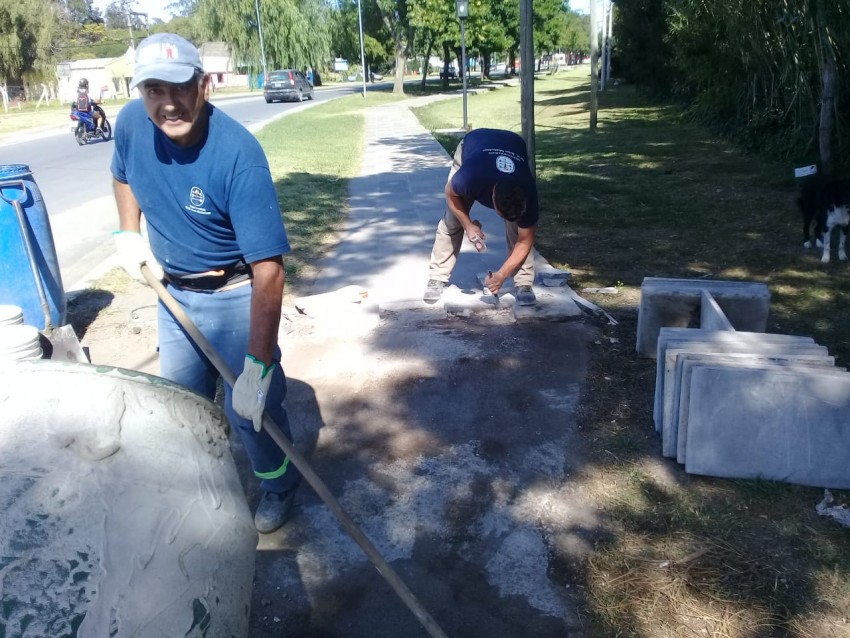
[525, 296]
[433, 291]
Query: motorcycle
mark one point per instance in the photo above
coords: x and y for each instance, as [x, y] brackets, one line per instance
[84, 129]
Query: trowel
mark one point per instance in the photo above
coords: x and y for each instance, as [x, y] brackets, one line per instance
[486, 295]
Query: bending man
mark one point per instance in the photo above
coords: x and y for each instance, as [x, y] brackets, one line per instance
[490, 167]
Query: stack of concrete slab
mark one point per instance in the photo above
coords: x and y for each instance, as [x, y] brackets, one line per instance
[744, 404]
[679, 303]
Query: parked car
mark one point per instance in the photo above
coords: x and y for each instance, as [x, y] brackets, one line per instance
[376, 77]
[287, 84]
[452, 73]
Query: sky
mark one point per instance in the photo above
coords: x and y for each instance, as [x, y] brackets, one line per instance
[154, 8]
[580, 6]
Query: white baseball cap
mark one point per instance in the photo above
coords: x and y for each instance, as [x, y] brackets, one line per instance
[166, 57]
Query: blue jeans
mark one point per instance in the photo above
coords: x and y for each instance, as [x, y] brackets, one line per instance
[224, 318]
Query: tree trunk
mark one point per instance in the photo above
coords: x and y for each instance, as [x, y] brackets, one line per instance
[827, 109]
[426, 60]
[445, 75]
[400, 66]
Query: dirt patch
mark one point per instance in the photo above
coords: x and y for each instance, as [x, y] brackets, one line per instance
[115, 321]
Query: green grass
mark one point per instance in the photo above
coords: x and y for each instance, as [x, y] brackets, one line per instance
[651, 194]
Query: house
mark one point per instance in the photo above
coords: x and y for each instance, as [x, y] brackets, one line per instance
[94, 70]
[120, 69]
[217, 59]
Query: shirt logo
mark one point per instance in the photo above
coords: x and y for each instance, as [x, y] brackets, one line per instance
[505, 164]
[196, 201]
[196, 196]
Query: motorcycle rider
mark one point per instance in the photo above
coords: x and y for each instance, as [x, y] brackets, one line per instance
[87, 105]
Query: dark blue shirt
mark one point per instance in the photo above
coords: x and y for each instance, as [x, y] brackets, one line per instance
[491, 155]
[207, 205]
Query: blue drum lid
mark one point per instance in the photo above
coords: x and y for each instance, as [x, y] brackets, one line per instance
[8, 171]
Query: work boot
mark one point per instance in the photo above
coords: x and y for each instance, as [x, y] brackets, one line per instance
[434, 291]
[525, 296]
[273, 511]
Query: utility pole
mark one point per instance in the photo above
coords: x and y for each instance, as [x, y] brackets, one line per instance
[362, 52]
[526, 76]
[594, 64]
[603, 84]
[606, 70]
[262, 47]
[462, 7]
[126, 7]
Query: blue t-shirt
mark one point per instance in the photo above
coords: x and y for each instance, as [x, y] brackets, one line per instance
[207, 205]
[491, 155]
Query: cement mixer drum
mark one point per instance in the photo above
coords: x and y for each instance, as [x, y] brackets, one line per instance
[121, 510]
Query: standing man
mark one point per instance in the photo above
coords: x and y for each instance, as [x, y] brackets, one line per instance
[490, 167]
[203, 184]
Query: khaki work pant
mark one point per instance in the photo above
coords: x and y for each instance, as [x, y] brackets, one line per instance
[449, 239]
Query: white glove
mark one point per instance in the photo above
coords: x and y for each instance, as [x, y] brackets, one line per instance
[251, 389]
[133, 251]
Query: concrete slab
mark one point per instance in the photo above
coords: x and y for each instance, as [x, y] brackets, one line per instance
[694, 335]
[671, 388]
[775, 425]
[553, 304]
[711, 315]
[689, 361]
[676, 303]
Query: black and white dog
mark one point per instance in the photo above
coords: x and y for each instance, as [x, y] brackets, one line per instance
[826, 202]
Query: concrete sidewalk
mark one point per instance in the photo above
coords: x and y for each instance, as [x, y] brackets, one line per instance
[449, 438]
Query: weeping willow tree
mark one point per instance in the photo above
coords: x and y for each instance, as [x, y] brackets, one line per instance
[296, 33]
[27, 29]
[772, 73]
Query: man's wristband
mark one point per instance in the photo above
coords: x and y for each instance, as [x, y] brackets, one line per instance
[266, 368]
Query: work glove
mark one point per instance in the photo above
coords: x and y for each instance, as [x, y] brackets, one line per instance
[251, 389]
[133, 251]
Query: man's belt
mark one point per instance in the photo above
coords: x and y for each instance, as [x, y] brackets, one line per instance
[213, 280]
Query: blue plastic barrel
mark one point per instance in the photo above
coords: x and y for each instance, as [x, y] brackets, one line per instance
[29, 269]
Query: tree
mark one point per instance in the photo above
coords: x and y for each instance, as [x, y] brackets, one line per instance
[396, 20]
[772, 74]
[183, 8]
[435, 23]
[26, 35]
[79, 11]
[291, 40]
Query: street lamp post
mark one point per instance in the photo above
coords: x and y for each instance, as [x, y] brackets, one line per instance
[262, 48]
[462, 7]
[362, 53]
